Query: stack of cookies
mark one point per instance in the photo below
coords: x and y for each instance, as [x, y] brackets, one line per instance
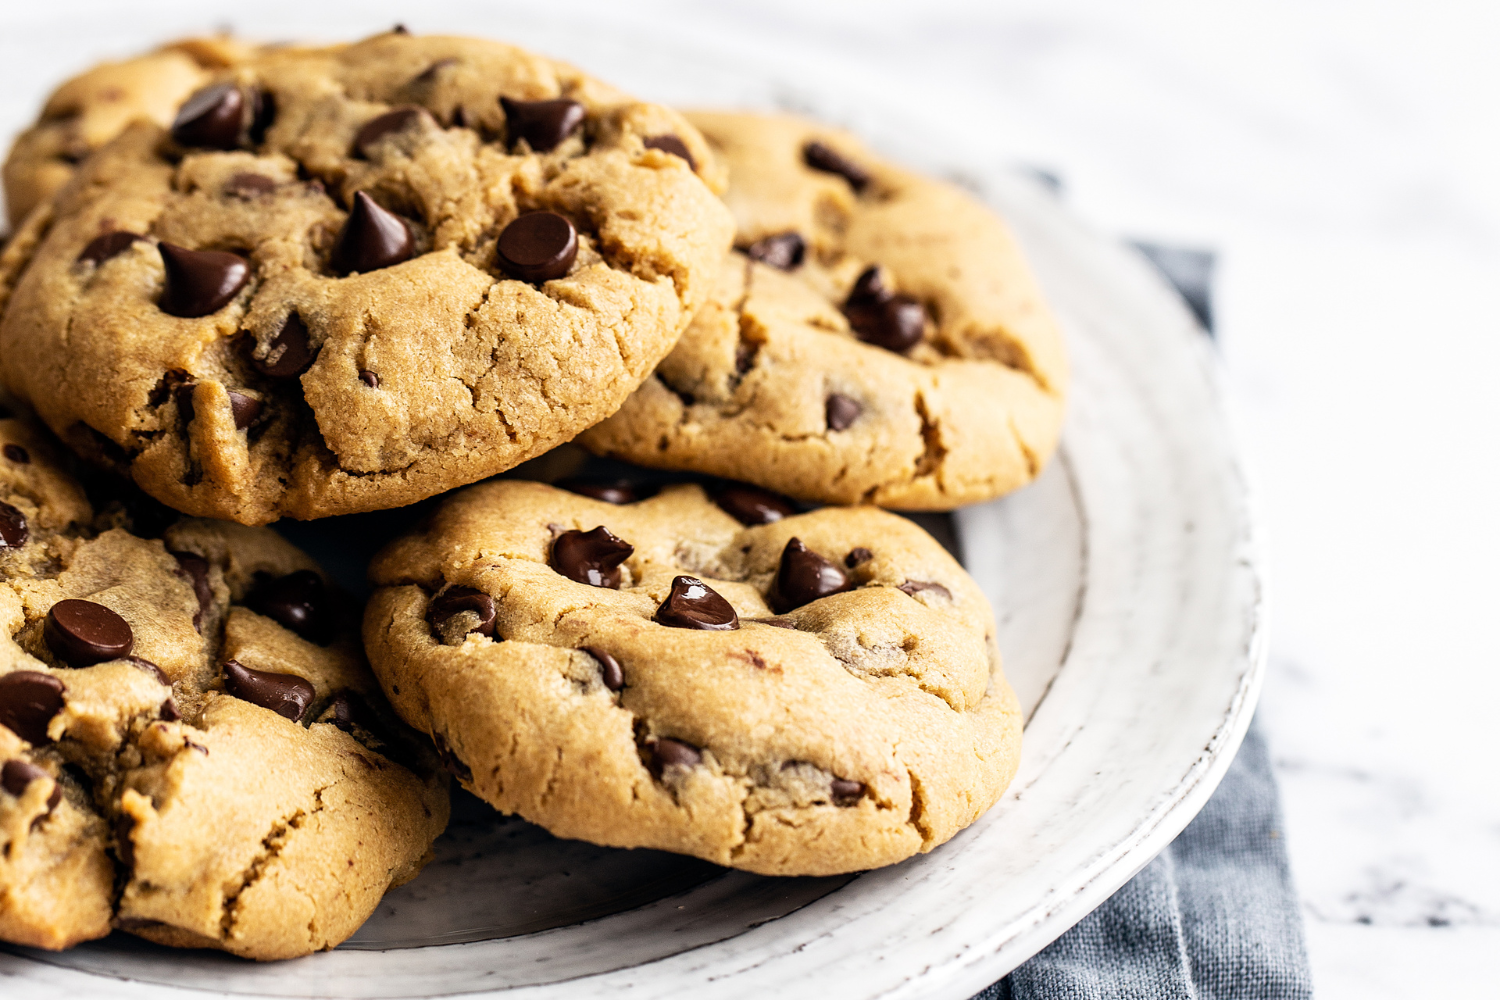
[248, 284]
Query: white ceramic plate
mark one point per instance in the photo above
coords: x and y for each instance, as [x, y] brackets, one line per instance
[1127, 586]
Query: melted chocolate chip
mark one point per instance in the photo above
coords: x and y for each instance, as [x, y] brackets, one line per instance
[263, 113]
[298, 601]
[249, 186]
[591, 557]
[290, 354]
[195, 569]
[183, 394]
[879, 316]
[124, 847]
[18, 774]
[667, 753]
[13, 529]
[831, 161]
[82, 633]
[543, 124]
[168, 711]
[609, 668]
[285, 694]
[537, 247]
[348, 711]
[846, 792]
[674, 145]
[398, 120]
[17, 454]
[147, 667]
[617, 492]
[28, 701]
[804, 576]
[694, 604]
[211, 118]
[752, 506]
[370, 379]
[460, 600]
[841, 411]
[244, 409]
[102, 248]
[913, 587]
[200, 282]
[858, 557]
[372, 238]
[784, 251]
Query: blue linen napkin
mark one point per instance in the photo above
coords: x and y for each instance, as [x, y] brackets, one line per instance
[1215, 916]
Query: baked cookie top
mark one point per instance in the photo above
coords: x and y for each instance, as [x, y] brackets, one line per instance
[878, 336]
[363, 276]
[95, 106]
[192, 747]
[784, 693]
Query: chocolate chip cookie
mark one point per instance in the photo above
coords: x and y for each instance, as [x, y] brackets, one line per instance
[95, 106]
[713, 674]
[348, 279]
[192, 748]
[876, 338]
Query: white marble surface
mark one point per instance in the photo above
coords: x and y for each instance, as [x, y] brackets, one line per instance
[1342, 157]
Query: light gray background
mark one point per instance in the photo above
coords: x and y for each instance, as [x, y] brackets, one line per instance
[1343, 159]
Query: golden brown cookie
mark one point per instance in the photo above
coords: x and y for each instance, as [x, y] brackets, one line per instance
[788, 694]
[349, 279]
[192, 747]
[877, 338]
[95, 106]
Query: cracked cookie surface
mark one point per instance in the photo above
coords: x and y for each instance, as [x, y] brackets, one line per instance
[192, 747]
[365, 275]
[935, 380]
[813, 694]
[95, 106]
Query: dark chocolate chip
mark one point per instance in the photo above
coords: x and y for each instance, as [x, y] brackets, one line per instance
[913, 587]
[350, 710]
[124, 846]
[244, 409]
[744, 357]
[249, 186]
[17, 774]
[28, 701]
[591, 557]
[290, 354]
[537, 247]
[195, 568]
[543, 124]
[694, 604]
[617, 492]
[285, 694]
[370, 379]
[298, 601]
[263, 113]
[398, 120]
[841, 411]
[831, 161]
[858, 557]
[609, 668]
[17, 454]
[200, 282]
[879, 316]
[784, 251]
[102, 248]
[804, 576]
[460, 600]
[211, 118]
[168, 711]
[146, 666]
[749, 505]
[13, 529]
[846, 792]
[672, 144]
[82, 633]
[666, 752]
[372, 238]
[399, 29]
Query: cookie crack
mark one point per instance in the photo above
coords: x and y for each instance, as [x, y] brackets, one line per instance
[272, 846]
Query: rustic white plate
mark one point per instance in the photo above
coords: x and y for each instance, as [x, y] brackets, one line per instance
[1127, 584]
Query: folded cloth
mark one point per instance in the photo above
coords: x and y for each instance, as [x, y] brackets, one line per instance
[1213, 917]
